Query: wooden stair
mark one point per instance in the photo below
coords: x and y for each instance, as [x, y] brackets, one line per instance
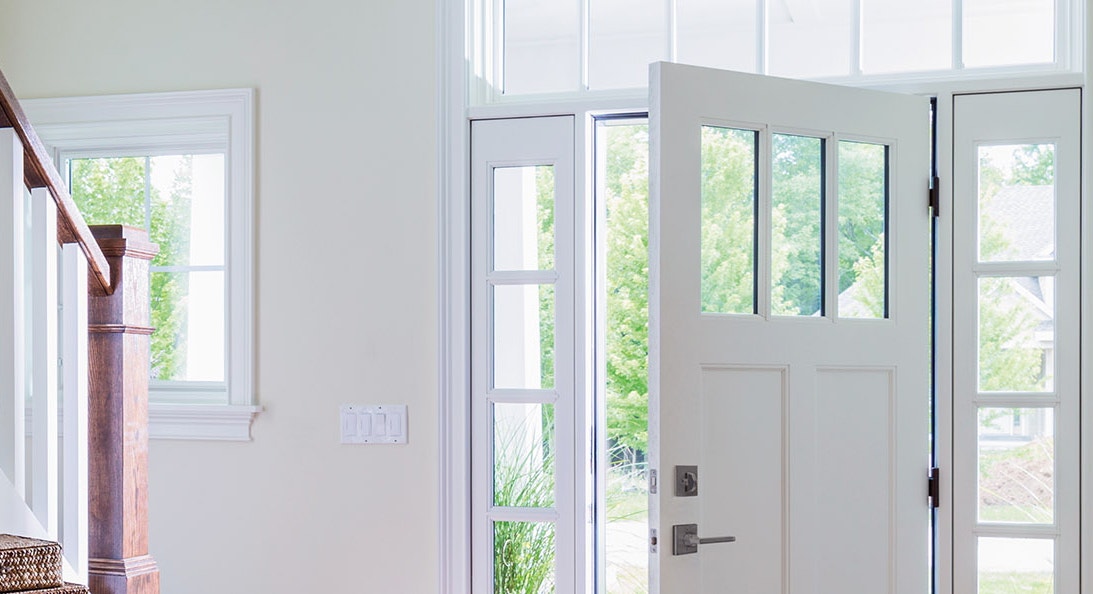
[32, 566]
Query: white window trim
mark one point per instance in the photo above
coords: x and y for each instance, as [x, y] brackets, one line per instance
[171, 122]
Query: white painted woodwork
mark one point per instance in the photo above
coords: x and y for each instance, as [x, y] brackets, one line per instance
[1017, 118]
[503, 144]
[838, 407]
[74, 534]
[12, 311]
[176, 123]
[44, 396]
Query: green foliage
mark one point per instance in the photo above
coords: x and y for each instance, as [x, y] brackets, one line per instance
[544, 200]
[1009, 358]
[112, 191]
[627, 276]
[796, 249]
[524, 477]
[728, 220]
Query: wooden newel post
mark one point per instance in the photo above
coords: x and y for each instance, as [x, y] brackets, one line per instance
[119, 342]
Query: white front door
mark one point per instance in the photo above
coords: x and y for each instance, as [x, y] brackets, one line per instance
[789, 335]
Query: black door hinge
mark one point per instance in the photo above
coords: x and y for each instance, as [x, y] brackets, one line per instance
[935, 196]
[934, 489]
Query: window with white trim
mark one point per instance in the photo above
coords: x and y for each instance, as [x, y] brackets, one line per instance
[179, 165]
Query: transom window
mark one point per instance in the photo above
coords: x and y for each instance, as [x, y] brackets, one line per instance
[534, 47]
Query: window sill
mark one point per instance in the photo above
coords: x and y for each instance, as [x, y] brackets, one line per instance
[209, 422]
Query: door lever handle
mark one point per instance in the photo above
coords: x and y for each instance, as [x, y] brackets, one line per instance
[694, 540]
[685, 539]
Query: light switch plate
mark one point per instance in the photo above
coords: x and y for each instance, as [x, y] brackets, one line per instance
[373, 423]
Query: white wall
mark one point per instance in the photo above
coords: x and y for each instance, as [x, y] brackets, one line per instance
[346, 288]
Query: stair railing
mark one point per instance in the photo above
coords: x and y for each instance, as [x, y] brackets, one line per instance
[73, 371]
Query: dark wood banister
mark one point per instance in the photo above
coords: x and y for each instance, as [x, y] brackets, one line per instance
[39, 172]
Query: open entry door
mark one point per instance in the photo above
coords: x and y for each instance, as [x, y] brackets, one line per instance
[789, 336]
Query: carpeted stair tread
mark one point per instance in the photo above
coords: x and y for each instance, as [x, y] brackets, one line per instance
[29, 564]
[65, 589]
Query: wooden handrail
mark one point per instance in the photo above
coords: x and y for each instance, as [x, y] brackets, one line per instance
[39, 172]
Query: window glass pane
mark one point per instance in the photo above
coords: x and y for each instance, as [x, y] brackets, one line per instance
[110, 191]
[625, 36]
[523, 557]
[902, 36]
[796, 244]
[863, 214]
[810, 39]
[626, 195]
[188, 316]
[1016, 334]
[1008, 565]
[1017, 202]
[523, 455]
[729, 171]
[717, 33]
[1005, 32]
[1017, 465]
[523, 218]
[523, 336]
[542, 50]
[187, 201]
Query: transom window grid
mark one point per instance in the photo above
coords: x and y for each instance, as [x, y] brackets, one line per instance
[524, 48]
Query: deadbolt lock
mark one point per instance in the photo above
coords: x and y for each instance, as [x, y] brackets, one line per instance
[686, 481]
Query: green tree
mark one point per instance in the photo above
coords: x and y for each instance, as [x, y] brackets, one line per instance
[113, 191]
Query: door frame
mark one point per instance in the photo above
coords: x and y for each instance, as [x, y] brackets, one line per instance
[453, 283]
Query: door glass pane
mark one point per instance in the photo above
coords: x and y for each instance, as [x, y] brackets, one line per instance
[523, 218]
[1017, 202]
[542, 52]
[625, 157]
[1016, 334]
[863, 222]
[797, 220]
[523, 336]
[188, 317]
[902, 36]
[1009, 565]
[1017, 465]
[625, 36]
[523, 557]
[717, 33]
[523, 455]
[729, 181]
[810, 39]
[1006, 32]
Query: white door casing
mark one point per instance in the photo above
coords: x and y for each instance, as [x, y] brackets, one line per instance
[810, 433]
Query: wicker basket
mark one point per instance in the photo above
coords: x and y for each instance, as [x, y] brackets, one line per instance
[65, 589]
[29, 564]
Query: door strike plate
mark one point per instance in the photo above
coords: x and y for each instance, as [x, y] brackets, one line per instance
[686, 481]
